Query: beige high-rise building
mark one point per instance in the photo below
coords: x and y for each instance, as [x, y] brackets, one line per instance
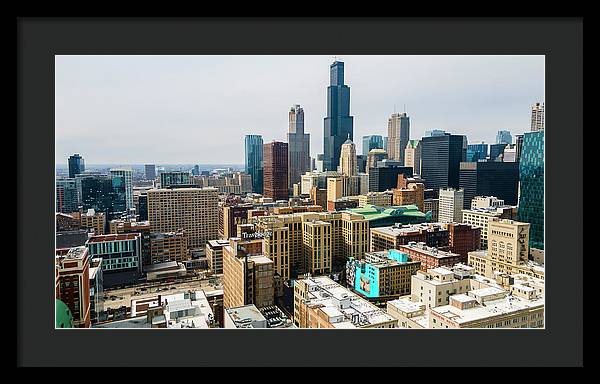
[451, 205]
[171, 246]
[537, 117]
[194, 210]
[480, 217]
[316, 246]
[398, 136]
[508, 251]
[214, 255]
[334, 188]
[347, 239]
[348, 162]
[276, 246]
[355, 230]
[412, 156]
[247, 274]
[93, 220]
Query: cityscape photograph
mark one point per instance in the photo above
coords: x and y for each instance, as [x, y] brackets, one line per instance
[299, 191]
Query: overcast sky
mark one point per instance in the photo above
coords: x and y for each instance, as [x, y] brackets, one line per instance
[197, 109]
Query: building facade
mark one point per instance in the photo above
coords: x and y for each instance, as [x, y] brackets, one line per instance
[441, 156]
[298, 146]
[398, 136]
[275, 170]
[451, 204]
[338, 124]
[485, 178]
[193, 210]
[537, 117]
[254, 161]
[531, 176]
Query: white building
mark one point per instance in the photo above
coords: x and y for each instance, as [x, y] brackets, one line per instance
[450, 205]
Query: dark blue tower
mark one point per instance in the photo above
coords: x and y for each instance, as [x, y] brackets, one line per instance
[338, 124]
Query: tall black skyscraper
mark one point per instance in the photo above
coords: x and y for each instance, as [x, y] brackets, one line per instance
[441, 156]
[76, 165]
[490, 178]
[338, 125]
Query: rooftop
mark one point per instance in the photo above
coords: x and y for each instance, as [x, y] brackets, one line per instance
[344, 308]
[430, 251]
[113, 237]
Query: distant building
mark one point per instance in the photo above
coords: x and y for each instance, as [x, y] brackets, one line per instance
[486, 178]
[150, 171]
[398, 136]
[275, 170]
[537, 117]
[503, 137]
[440, 160]
[451, 205]
[374, 157]
[76, 165]
[386, 177]
[66, 195]
[338, 124]
[193, 210]
[122, 183]
[298, 146]
[371, 142]
[254, 161]
[412, 156]
[348, 163]
[497, 151]
[476, 152]
[175, 179]
[94, 221]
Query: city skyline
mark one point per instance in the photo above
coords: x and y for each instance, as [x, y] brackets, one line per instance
[167, 93]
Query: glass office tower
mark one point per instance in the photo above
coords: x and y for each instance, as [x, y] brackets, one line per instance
[371, 142]
[440, 160]
[476, 152]
[76, 165]
[254, 161]
[531, 175]
[338, 124]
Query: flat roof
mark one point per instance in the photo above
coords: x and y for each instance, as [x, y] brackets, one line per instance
[113, 237]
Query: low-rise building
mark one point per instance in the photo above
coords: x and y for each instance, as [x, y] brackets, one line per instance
[430, 257]
[214, 255]
[95, 221]
[169, 246]
[319, 302]
[248, 316]
[381, 274]
[382, 199]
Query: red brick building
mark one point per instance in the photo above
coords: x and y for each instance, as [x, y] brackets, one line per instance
[275, 170]
[463, 238]
[73, 283]
[430, 257]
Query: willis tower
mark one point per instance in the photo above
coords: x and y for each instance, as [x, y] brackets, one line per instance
[338, 125]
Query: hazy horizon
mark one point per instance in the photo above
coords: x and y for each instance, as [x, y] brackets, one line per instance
[179, 110]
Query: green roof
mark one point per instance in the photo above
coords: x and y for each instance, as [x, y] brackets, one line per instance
[372, 212]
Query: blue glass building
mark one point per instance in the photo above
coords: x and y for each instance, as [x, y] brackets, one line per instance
[531, 175]
[496, 150]
[371, 142]
[76, 165]
[338, 124]
[254, 161]
[476, 152]
[503, 137]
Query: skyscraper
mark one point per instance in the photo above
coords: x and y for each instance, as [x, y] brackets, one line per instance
[76, 165]
[398, 136]
[476, 152]
[298, 146]
[66, 195]
[338, 124]
[126, 175]
[412, 156]
[348, 162]
[537, 117]
[496, 150]
[276, 170]
[150, 171]
[503, 137]
[531, 177]
[489, 178]
[371, 142]
[441, 156]
[254, 161]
